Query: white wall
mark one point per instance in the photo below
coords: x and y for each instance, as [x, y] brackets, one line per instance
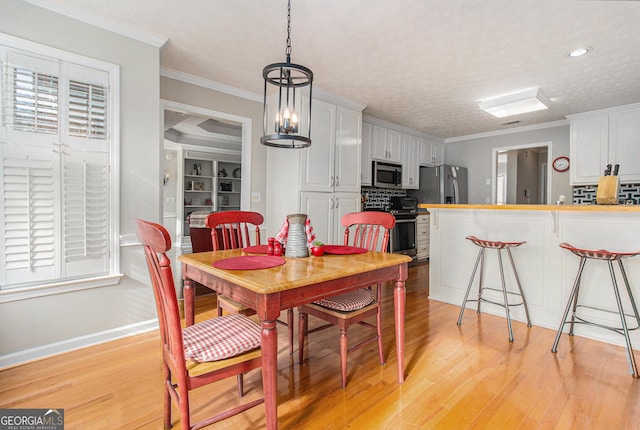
[42, 326]
[475, 154]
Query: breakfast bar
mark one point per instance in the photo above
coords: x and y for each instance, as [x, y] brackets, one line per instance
[546, 271]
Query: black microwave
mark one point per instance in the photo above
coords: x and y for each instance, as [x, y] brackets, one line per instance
[387, 175]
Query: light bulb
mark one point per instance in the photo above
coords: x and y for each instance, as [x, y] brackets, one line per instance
[286, 114]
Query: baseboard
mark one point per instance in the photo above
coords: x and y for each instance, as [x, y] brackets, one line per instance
[43, 351]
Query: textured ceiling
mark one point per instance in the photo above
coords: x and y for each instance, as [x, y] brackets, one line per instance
[423, 64]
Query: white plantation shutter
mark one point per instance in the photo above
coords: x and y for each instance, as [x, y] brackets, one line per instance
[87, 110]
[35, 101]
[55, 180]
[27, 182]
[86, 209]
[30, 98]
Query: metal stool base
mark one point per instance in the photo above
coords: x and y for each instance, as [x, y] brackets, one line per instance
[506, 304]
[572, 305]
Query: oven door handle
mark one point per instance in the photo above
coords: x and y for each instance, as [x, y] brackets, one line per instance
[398, 221]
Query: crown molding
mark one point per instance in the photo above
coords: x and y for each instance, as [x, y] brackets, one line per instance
[320, 94]
[98, 21]
[401, 128]
[606, 111]
[508, 131]
[207, 83]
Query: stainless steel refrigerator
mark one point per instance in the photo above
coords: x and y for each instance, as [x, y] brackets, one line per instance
[444, 184]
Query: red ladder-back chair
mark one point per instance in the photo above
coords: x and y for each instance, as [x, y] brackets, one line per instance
[355, 306]
[232, 230]
[202, 353]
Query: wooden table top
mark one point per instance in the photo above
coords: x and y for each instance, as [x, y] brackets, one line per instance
[296, 272]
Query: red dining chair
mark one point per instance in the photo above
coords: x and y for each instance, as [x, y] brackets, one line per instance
[353, 307]
[202, 353]
[232, 230]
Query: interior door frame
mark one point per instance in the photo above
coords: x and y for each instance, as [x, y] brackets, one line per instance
[246, 123]
[494, 165]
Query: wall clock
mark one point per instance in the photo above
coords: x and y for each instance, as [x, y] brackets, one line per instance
[561, 164]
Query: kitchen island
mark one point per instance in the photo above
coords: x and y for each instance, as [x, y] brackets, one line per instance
[547, 272]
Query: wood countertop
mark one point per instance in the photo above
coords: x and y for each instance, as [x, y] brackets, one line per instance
[577, 208]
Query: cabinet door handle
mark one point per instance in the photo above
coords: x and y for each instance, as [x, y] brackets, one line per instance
[337, 181]
[332, 184]
[337, 203]
[331, 206]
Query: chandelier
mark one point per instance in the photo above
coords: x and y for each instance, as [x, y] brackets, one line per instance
[284, 129]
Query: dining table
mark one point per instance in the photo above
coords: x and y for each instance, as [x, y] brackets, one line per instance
[293, 282]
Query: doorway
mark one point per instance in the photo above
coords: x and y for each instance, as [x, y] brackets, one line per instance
[520, 174]
[187, 127]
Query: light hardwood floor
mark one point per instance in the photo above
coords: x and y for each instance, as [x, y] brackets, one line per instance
[456, 378]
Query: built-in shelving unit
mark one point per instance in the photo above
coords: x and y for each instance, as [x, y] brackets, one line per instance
[212, 183]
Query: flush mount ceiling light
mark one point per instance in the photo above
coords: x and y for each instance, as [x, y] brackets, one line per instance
[579, 52]
[530, 100]
[287, 77]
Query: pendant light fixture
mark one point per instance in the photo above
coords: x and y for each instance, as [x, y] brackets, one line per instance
[283, 129]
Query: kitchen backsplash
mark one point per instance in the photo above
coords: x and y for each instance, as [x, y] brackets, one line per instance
[378, 198]
[586, 194]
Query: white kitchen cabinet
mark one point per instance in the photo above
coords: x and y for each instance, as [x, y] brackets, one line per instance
[410, 165]
[430, 153]
[348, 147]
[386, 144]
[422, 237]
[325, 211]
[316, 179]
[437, 152]
[609, 136]
[332, 162]
[365, 154]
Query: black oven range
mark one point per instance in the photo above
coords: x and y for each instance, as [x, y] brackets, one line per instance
[403, 235]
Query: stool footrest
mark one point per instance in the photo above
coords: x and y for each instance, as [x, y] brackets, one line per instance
[586, 321]
[482, 299]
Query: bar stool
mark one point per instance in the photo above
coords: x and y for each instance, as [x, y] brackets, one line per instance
[498, 246]
[573, 305]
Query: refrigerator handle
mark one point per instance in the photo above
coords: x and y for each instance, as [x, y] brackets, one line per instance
[456, 193]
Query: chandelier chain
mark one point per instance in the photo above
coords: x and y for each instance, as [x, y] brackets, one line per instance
[288, 50]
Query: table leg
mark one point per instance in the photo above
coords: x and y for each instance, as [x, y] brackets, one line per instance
[269, 344]
[399, 293]
[189, 294]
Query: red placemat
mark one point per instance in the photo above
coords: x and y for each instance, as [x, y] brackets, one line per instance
[256, 249]
[249, 262]
[343, 249]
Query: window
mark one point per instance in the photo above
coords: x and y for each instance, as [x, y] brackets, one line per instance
[57, 193]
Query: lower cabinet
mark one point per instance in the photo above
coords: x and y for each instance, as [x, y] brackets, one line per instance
[325, 210]
[422, 236]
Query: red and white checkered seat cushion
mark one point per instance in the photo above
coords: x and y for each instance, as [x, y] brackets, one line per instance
[351, 301]
[220, 338]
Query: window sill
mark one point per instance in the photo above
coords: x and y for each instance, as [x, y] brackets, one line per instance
[24, 293]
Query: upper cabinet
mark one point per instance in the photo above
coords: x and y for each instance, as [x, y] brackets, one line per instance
[604, 137]
[430, 153]
[332, 162]
[386, 144]
[367, 137]
[384, 141]
[410, 165]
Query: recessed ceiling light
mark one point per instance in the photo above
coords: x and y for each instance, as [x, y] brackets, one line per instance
[579, 52]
